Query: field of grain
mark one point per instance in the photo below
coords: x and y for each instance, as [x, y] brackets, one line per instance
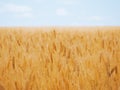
[60, 58]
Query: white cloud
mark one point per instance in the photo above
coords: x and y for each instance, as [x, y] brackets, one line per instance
[91, 18]
[67, 2]
[13, 8]
[96, 18]
[61, 12]
[17, 10]
[24, 15]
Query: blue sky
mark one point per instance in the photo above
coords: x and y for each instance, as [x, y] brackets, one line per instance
[59, 12]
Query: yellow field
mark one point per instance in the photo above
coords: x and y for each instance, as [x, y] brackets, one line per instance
[60, 58]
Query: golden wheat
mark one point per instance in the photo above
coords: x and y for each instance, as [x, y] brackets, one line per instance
[60, 58]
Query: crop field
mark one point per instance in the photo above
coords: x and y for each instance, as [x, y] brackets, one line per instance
[60, 58]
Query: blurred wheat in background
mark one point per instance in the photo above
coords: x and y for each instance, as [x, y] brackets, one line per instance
[60, 58]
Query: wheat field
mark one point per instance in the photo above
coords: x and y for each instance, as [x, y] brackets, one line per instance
[59, 58]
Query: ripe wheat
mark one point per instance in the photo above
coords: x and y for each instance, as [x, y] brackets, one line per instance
[54, 59]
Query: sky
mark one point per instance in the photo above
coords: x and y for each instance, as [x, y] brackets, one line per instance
[59, 12]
